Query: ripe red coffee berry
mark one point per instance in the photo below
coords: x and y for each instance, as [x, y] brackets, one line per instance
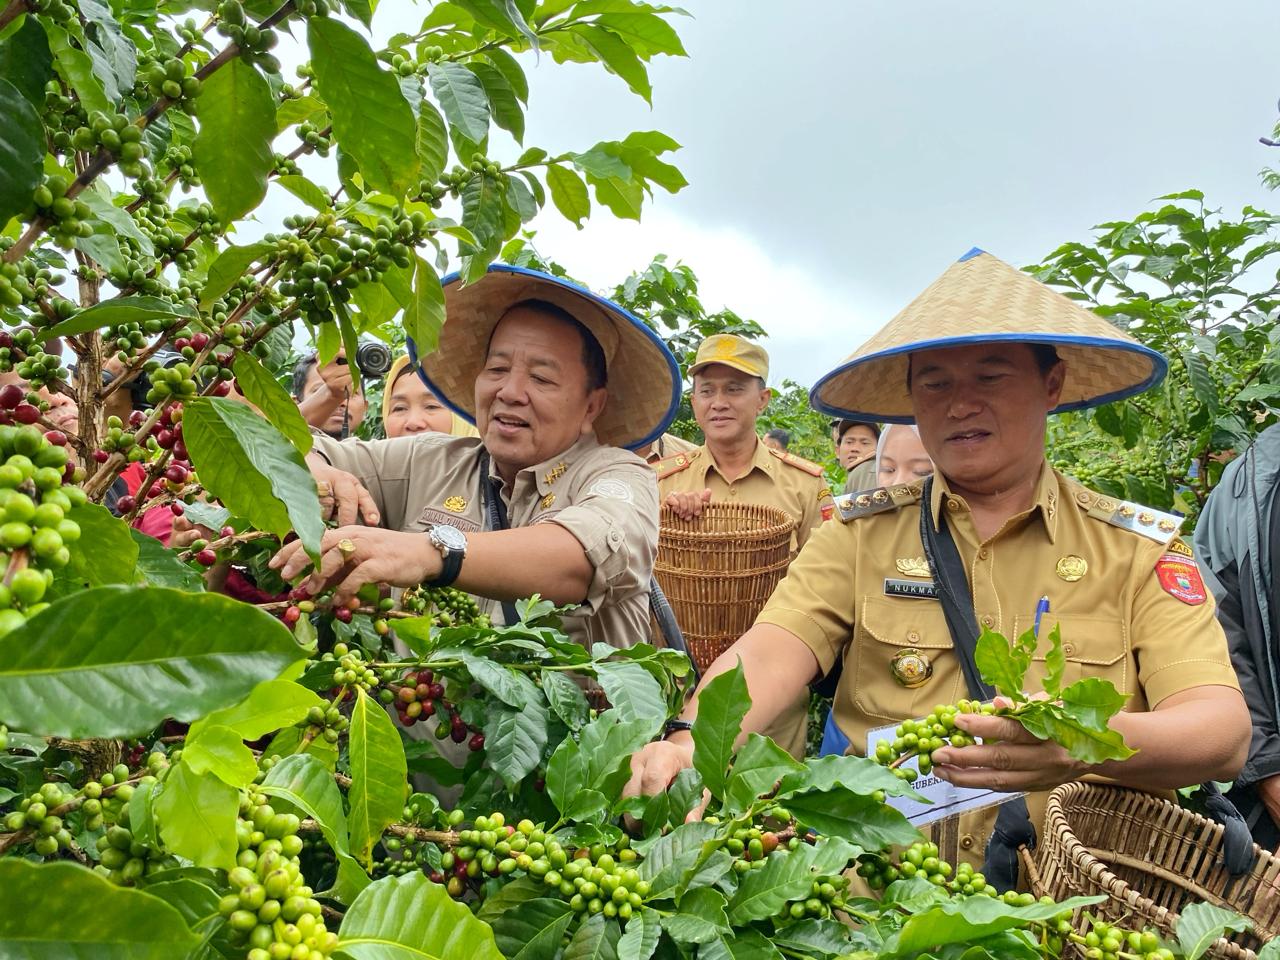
[165, 439]
[56, 437]
[177, 509]
[26, 413]
[101, 456]
[155, 490]
[222, 389]
[180, 450]
[126, 504]
[291, 615]
[343, 614]
[200, 341]
[227, 532]
[206, 557]
[477, 742]
[137, 419]
[175, 473]
[11, 395]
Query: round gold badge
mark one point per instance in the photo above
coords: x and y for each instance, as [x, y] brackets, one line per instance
[455, 504]
[1071, 568]
[911, 668]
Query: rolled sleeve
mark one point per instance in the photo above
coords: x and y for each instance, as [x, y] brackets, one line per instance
[815, 601]
[618, 533]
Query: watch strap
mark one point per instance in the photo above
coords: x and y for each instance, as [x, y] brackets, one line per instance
[450, 567]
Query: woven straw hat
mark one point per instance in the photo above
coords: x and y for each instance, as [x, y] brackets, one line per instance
[979, 299]
[644, 379]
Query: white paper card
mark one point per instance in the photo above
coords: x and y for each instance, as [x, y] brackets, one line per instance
[947, 799]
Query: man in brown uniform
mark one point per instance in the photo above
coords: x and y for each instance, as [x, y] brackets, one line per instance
[1001, 352]
[532, 360]
[729, 394]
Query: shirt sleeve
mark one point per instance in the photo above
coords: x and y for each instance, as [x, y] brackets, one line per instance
[615, 518]
[1178, 644]
[815, 601]
[383, 466]
[816, 496]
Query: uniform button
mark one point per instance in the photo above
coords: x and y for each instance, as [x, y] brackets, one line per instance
[984, 553]
[988, 621]
[953, 504]
[1082, 497]
[966, 841]
[614, 536]
[733, 491]
[913, 636]
[1068, 648]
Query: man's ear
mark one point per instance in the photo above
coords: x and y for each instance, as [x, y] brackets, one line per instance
[765, 396]
[596, 401]
[1054, 381]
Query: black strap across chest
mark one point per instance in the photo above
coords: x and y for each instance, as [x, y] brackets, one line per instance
[496, 513]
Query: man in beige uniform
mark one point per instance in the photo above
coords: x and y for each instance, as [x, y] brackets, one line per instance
[531, 359]
[729, 394]
[1121, 586]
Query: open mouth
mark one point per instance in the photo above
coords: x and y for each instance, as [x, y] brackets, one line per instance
[508, 423]
[963, 437]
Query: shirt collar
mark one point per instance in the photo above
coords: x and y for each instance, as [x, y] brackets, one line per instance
[545, 474]
[1048, 498]
[761, 459]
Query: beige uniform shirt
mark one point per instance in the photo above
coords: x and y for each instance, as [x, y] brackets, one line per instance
[1112, 572]
[668, 445]
[605, 496]
[861, 477]
[778, 479]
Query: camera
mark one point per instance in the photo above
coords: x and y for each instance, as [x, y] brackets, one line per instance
[372, 359]
[140, 386]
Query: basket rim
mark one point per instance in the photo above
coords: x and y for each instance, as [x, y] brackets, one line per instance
[778, 524]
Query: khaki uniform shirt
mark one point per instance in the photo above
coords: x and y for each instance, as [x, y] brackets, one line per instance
[668, 445]
[776, 478]
[1106, 566]
[861, 477]
[605, 496]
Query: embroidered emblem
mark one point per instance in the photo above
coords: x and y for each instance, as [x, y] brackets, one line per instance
[913, 567]
[1072, 568]
[824, 493]
[555, 473]
[611, 488]
[1180, 577]
[548, 500]
[455, 504]
[913, 589]
[828, 511]
[911, 668]
[1178, 547]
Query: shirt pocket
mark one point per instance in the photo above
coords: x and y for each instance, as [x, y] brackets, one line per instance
[886, 628]
[1092, 647]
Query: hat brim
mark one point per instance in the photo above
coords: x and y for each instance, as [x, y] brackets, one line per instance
[643, 376]
[981, 299]
[874, 387]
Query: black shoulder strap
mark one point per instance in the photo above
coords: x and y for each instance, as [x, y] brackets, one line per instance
[496, 511]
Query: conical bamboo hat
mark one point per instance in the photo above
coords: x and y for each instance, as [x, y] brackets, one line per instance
[979, 299]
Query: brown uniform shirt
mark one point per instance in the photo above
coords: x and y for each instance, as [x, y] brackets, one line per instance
[605, 496]
[1105, 566]
[778, 479]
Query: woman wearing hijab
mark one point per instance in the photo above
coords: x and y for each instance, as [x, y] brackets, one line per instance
[408, 407]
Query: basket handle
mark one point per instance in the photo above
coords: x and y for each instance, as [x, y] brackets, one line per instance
[1030, 870]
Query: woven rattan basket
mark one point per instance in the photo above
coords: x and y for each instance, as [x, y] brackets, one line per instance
[1150, 858]
[718, 570]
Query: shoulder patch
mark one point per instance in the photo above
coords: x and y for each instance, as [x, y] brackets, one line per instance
[800, 463]
[1180, 577]
[1134, 517]
[851, 506]
[672, 465]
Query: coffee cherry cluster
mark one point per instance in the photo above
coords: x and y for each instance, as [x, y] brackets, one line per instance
[327, 723]
[826, 894]
[918, 739]
[173, 80]
[124, 860]
[352, 670]
[446, 606]
[36, 813]
[271, 909]
[1109, 941]
[750, 845]
[15, 289]
[918, 860]
[114, 134]
[69, 218]
[177, 381]
[314, 137]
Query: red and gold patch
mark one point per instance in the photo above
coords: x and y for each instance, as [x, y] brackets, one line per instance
[1180, 577]
[828, 511]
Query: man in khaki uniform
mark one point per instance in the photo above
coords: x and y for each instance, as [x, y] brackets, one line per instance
[1121, 586]
[530, 358]
[667, 445]
[729, 394]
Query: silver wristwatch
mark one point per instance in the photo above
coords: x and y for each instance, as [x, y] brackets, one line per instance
[452, 544]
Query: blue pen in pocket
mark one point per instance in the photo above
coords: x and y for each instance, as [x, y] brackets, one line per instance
[1041, 609]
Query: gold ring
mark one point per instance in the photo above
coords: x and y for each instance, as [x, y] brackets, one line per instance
[346, 547]
[322, 488]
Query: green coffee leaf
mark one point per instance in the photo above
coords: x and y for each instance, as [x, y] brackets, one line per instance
[967, 920]
[159, 566]
[856, 774]
[722, 704]
[264, 391]
[307, 783]
[1200, 924]
[1002, 664]
[372, 120]
[701, 918]
[232, 151]
[1092, 701]
[77, 70]
[607, 744]
[565, 773]
[230, 266]
[378, 773]
[245, 462]
[1085, 742]
[503, 103]
[432, 141]
[532, 930]
[424, 314]
[197, 814]
[787, 875]
[569, 194]
[219, 750]
[618, 58]
[462, 97]
[514, 740]
[641, 937]
[106, 553]
[624, 198]
[95, 918]
[633, 694]
[742, 945]
[1055, 664]
[22, 150]
[27, 62]
[121, 310]
[200, 652]
[858, 818]
[566, 698]
[271, 705]
[758, 766]
[399, 918]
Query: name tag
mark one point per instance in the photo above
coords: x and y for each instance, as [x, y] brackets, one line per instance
[920, 589]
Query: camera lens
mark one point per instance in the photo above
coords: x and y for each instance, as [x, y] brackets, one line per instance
[373, 359]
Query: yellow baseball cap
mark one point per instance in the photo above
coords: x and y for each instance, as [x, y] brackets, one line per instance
[732, 351]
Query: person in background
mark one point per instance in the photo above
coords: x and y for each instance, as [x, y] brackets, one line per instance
[979, 360]
[408, 407]
[856, 452]
[325, 396]
[735, 466]
[667, 445]
[777, 439]
[1237, 541]
[900, 456]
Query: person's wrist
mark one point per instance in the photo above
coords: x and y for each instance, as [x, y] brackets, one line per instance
[682, 739]
[432, 562]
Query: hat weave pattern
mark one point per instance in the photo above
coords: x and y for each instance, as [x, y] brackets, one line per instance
[982, 299]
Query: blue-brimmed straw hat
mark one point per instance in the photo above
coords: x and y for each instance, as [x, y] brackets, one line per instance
[978, 300]
[644, 378]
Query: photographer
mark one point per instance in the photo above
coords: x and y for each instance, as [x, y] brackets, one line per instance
[324, 394]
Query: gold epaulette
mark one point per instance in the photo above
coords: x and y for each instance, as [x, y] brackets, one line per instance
[800, 463]
[1153, 524]
[851, 506]
[672, 465]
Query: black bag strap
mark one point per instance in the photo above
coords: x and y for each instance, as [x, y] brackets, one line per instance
[1013, 827]
[496, 511]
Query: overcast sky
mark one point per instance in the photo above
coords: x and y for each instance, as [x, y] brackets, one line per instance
[842, 154]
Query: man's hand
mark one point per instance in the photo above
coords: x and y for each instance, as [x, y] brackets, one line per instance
[342, 496]
[350, 557]
[688, 506]
[1009, 759]
[654, 767]
[336, 375]
[183, 533]
[1269, 791]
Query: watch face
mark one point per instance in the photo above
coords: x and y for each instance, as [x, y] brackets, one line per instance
[449, 537]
